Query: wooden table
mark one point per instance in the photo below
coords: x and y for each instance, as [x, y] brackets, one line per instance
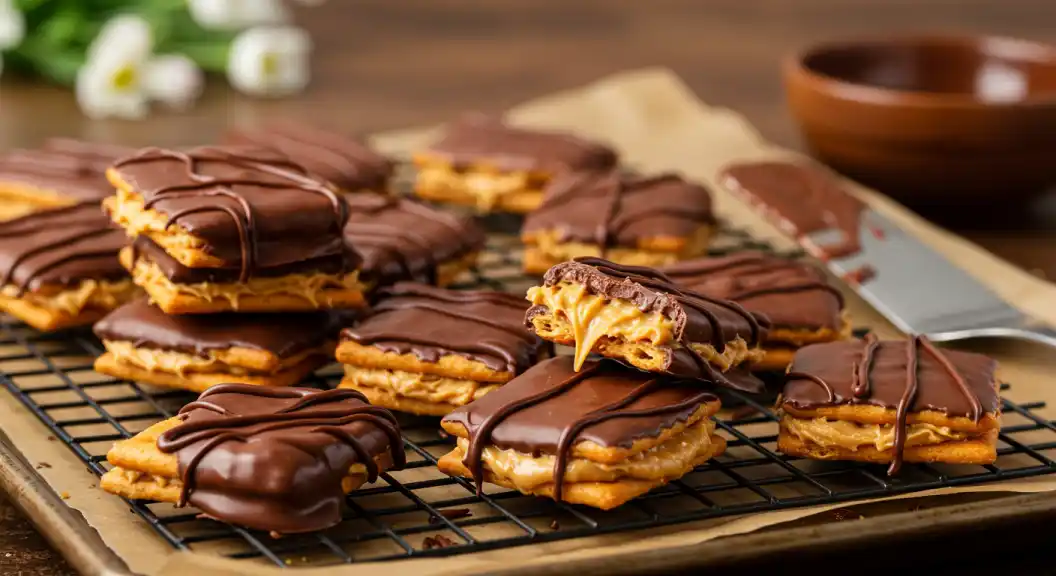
[383, 64]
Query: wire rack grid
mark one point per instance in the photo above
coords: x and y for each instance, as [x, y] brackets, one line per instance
[420, 512]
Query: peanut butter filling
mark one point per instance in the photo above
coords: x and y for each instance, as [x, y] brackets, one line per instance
[126, 209]
[653, 252]
[426, 387]
[211, 362]
[310, 287]
[852, 435]
[487, 187]
[592, 317]
[88, 294]
[135, 476]
[670, 459]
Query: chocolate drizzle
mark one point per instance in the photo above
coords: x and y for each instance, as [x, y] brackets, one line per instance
[601, 398]
[401, 239]
[697, 318]
[274, 458]
[613, 209]
[431, 322]
[60, 246]
[803, 199]
[894, 375]
[266, 177]
[69, 168]
[791, 294]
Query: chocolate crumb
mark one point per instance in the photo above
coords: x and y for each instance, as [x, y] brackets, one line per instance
[51, 438]
[554, 525]
[43, 465]
[841, 514]
[438, 541]
[453, 514]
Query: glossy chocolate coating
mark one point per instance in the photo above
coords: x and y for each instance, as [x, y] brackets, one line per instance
[283, 335]
[792, 294]
[144, 247]
[480, 140]
[430, 323]
[401, 239]
[69, 168]
[905, 376]
[697, 318]
[607, 208]
[800, 198]
[60, 247]
[274, 458]
[550, 407]
[252, 207]
[342, 160]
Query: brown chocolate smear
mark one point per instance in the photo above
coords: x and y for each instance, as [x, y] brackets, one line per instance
[250, 206]
[551, 407]
[344, 161]
[478, 139]
[608, 208]
[905, 376]
[63, 246]
[69, 168]
[431, 323]
[336, 263]
[801, 199]
[790, 293]
[282, 334]
[401, 239]
[274, 458]
[697, 318]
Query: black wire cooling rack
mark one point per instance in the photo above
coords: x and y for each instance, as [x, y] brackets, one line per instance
[420, 512]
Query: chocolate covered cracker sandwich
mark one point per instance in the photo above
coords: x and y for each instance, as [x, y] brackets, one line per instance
[274, 459]
[639, 316]
[196, 351]
[640, 221]
[428, 351]
[343, 161]
[221, 229]
[400, 239]
[890, 402]
[59, 267]
[61, 173]
[802, 306]
[599, 436]
[485, 163]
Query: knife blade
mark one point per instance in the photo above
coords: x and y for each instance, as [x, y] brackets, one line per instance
[912, 285]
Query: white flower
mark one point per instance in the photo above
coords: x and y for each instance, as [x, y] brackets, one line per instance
[12, 25]
[270, 61]
[127, 34]
[237, 14]
[111, 84]
[174, 80]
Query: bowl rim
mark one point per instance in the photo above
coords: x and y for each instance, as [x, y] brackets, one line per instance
[794, 65]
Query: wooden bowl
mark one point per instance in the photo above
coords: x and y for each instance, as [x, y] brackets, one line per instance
[935, 122]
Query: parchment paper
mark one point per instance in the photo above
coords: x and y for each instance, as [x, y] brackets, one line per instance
[653, 119]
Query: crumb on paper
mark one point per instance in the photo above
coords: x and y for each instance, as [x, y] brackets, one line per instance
[438, 541]
[841, 514]
[51, 438]
[554, 525]
[64, 495]
[274, 535]
[43, 465]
